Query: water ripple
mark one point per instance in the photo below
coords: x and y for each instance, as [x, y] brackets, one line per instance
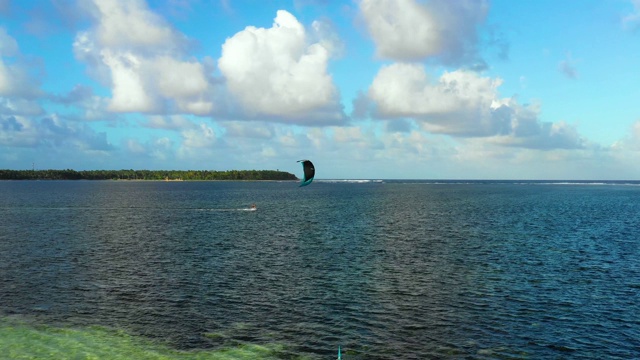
[385, 271]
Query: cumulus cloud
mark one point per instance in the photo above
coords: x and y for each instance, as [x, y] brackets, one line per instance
[198, 144]
[19, 106]
[325, 33]
[78, 94]
[23, 123]
[200, 137]
[19, 91]
[463, 104]
[459, 103]
[51, 132]
[90, 106]
[169, 122]
[131, 25]
[15, 131]
[631, 141]
[360, 139]
[142, 58]
[159, 149]
[408, 30]
[252, 130]
[17, 78]
[278, 72]
[399, 125]
[415, 147]
[546, 136]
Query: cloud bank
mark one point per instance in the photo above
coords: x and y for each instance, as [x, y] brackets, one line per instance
[462, 103]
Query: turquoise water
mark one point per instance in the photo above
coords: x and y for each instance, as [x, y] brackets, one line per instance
[413, 270]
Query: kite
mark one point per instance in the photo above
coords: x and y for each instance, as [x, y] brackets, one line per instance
[309, 172]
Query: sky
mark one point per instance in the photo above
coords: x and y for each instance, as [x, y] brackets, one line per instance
[377, 89]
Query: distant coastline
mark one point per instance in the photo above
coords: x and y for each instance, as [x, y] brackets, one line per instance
[154, 175]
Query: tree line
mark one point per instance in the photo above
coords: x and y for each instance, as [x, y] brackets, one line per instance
[69, 174]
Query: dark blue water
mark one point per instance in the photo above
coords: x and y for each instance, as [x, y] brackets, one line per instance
[407, 270]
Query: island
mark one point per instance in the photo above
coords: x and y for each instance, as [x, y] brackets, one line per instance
[158, 175]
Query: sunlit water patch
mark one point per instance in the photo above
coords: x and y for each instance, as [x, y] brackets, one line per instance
[20, 339]
[384, 270]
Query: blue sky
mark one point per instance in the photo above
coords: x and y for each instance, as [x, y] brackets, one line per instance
[434, 89]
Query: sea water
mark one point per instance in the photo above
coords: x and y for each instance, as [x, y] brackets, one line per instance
[385, 270]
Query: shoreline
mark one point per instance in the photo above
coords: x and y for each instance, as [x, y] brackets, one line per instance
[147, 175]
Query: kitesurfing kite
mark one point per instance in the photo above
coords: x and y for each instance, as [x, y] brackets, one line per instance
[309, 172]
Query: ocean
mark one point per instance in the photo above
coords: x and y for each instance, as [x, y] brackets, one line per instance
[382, 269]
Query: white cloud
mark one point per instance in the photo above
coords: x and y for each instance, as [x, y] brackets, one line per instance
[159, 149]
[169, 122]
[201, 137]
[545, 136]
[278, 73]
[81, 97]
[134, 147]
[361, 141]
[50, 132]
[198, 147]
[620, 159]
[19, 106]
[324, 32]
[142, 58]
[281, 76]
[464, 104]
[130, 25]
[86, 50]
[347, 134]
[16, 77]
[403, 30]
[458, 104]
[631, 142]
[252, 130]
[17, 131]
[129, 92]
[23, 123]
[399, 125]
[408, 30]
[15, 80]
[185, 81]
[289, 139]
